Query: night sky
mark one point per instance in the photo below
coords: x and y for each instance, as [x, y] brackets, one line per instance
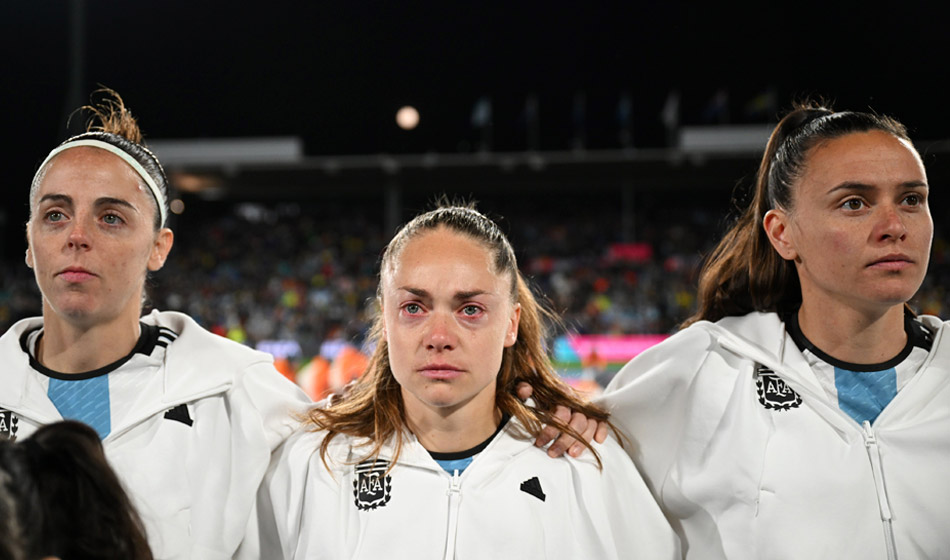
[334, 73]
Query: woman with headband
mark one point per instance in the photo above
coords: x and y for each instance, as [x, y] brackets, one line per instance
[805, 411]
[188, 419]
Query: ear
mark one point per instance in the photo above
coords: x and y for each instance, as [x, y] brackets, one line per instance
[160, 249]
[512, 335]
[29, 249]
[777, 227]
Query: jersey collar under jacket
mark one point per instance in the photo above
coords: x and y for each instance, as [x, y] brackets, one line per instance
[503, 448]
[23, 394]
[761, 337]
[191, 372]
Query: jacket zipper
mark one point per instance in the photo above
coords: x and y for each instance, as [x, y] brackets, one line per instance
[870, 443]
[874, 454]
[455, 496]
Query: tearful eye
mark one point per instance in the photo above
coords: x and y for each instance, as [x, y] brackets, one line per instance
[471, 310]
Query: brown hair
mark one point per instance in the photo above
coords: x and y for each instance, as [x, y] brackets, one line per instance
[744, 273]
[111, 122]
[373, 409]
[69, 501]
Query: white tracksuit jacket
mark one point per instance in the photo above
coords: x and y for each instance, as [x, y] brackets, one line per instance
[747, 463]
[194, 486]
[512, 502]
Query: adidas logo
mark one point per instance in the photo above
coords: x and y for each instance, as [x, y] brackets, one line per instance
[179, 414]
[533, 486]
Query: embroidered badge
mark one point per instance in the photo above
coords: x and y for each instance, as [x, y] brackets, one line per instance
[533, 486]
[8, 424]
[372, 486]
[774, 393]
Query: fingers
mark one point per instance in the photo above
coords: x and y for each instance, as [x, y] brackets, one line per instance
[601, 435]
[587, 435]
[550, 432]
[524, 391]
[578, 422]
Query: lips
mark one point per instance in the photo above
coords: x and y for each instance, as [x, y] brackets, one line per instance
[75, 274]
[896, 261]
[440, 371]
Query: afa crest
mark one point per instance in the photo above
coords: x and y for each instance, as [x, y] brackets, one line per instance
[372, 487]
[9, 424]
[774, 393]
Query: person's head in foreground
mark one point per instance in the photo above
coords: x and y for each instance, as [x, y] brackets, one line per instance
[60, 498]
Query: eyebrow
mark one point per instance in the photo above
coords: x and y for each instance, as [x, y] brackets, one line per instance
[458, 295]
[864, 187]
[60, 198]
[67, 200]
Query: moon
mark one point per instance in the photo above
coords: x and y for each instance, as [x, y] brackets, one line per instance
[407, 117]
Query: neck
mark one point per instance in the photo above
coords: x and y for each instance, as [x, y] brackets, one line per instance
[70, 348]
[451, 429]
[854, 336]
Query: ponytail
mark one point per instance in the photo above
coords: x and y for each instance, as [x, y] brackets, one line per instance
[744, 273]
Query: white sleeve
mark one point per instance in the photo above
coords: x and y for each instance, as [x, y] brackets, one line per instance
[649, 400]
[297, 502]
[264, 407]
[626, 517]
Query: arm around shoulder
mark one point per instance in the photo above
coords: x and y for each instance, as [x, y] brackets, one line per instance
[649, 398]
[636, 525]
[278, 403]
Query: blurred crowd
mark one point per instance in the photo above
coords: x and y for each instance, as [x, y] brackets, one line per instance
[304, 277]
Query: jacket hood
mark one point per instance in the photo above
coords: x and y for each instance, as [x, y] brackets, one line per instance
[191, 370]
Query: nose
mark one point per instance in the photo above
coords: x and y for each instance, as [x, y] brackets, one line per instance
[892, 224]
[440, 335]
[77, 238]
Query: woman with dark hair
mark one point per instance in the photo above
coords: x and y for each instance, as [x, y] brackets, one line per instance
[805, 410]
[188, 419]
[431, 455]
[66, 500]
[12, 540]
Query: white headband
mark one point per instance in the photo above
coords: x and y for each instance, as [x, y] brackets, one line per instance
[156, 192]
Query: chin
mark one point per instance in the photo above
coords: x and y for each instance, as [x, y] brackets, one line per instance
[441, 401]
[82, 313]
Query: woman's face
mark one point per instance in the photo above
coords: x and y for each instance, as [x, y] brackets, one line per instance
[91, 238]
[448, 316]
[860, 228]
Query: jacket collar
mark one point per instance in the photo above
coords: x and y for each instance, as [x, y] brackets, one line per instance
[22, 393]
[762, 338]
[198, 364]
[508, 443]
